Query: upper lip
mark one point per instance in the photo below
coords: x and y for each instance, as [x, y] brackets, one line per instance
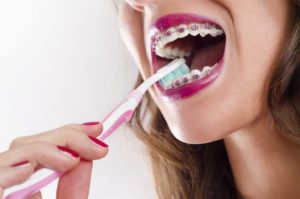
[162, 24]
[167, 21]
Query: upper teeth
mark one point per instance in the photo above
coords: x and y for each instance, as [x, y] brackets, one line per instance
[182, 31]
[172, 53]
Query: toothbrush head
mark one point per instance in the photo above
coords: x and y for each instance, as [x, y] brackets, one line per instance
[174, 75]
[166, 74]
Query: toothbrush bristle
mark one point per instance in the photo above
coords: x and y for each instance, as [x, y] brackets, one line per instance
[178, 73]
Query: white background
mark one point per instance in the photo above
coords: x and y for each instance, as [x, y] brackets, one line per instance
[63, 62]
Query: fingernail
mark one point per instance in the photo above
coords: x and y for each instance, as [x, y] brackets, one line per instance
[21, 164]
[67, 151]
[90, 123]
[99, 142]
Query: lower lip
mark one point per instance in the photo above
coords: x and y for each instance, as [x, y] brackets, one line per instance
[189, 90]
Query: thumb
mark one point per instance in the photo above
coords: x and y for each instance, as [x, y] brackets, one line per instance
[75, 184]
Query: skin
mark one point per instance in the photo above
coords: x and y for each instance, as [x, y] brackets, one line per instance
[264, 163]
[41, 150]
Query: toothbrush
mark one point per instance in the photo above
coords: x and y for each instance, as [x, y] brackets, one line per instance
[112, 121]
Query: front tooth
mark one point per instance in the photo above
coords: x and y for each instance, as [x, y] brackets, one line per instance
[181, 54]
[171, 35]
[175, 52]
[165, 52]
[203, 32]
[168, 52]
[182, 31]
[194, 29]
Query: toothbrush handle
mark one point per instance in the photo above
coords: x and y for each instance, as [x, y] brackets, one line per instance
[34, 184]
[44, 176]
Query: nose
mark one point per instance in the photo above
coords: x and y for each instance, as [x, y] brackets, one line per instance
[140, 4]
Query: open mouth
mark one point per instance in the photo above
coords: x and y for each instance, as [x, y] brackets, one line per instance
[197, 39]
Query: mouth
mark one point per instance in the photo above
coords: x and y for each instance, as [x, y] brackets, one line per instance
[199, 40]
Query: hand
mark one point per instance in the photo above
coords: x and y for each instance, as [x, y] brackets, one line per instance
[69, 148]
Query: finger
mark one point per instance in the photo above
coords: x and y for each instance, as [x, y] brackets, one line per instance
[70, 186]
[87, 147]
[13, 175]
[39, 153]
[92, 128]
[59, 135]
[74, 137]
[37, 196]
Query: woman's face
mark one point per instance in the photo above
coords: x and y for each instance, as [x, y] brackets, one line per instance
[244, 40]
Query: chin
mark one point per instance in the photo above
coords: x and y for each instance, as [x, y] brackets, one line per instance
[190, 134]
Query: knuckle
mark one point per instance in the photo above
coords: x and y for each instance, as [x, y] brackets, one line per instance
[18, 141]
[72, 129]
[66, 165]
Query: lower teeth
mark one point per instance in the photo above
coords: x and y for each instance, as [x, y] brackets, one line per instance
[192, 76]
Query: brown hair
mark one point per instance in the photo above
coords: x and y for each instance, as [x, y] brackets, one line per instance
[183, 171]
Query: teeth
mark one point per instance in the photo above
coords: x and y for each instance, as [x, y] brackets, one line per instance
[203, 32]
[172, 53]
[181, 54]
[171, 35]
[194, 28]
[168, 51]
[215, 32]
[187, 78]
[194, 75]
[175, 52]
[182, 31]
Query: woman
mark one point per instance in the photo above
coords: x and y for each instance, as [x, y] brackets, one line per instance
[228, 129]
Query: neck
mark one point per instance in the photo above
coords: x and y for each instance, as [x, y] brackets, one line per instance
[264, 163]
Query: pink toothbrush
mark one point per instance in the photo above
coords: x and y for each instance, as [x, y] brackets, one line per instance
[118, 116]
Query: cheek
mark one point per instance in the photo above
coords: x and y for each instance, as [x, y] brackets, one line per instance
[131, 29]
[260, 38]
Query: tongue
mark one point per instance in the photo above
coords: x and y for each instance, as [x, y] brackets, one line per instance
[208, 56]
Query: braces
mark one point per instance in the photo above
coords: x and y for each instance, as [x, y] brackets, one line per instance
[180, 29]
[194, 75]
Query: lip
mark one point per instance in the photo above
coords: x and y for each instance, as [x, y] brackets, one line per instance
[161, 25]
